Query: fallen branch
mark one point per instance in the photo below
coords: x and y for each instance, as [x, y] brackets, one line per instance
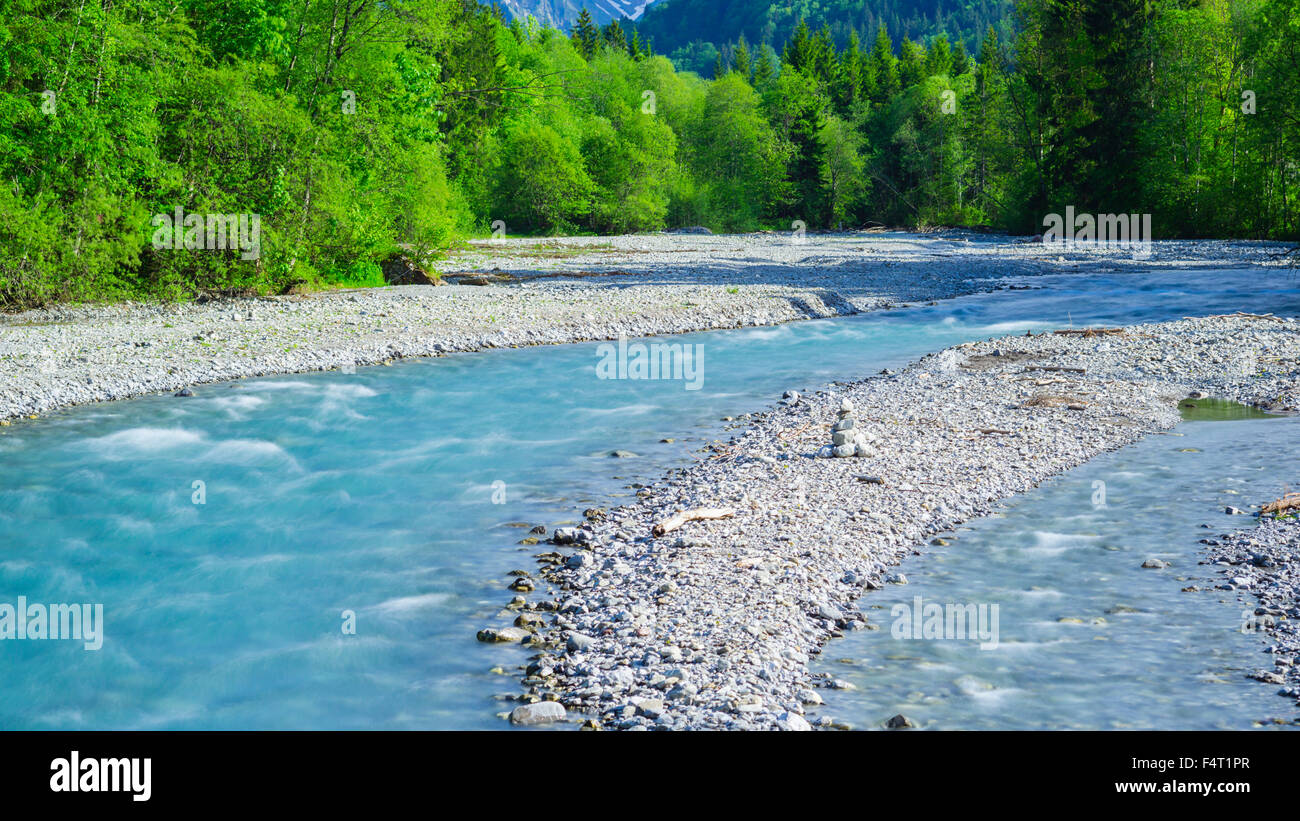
[1090, 332]
[1044, 400]
[1055, 369]
[729, 451]
[783, 435]
[1290, 256]
[699, 514]
[1290, 501]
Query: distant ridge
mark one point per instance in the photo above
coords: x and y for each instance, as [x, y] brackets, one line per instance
[562, 14]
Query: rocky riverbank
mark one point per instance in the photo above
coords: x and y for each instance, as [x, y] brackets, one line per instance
[546, 292]
[1263, 563]
[711, 624]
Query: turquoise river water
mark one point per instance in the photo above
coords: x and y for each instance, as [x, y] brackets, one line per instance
[395, 493]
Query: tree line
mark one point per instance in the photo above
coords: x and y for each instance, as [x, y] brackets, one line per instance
[363, 129]
[689, 31]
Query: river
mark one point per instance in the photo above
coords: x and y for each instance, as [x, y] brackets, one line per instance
[233, 538]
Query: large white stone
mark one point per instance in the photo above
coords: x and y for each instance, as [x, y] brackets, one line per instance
[542, 712]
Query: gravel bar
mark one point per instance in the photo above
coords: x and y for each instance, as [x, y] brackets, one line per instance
[711, 626]
[547, 292]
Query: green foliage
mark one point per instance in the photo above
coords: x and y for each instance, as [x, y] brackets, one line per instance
[542, 183]
[673, 24]
[738, 158]
[400, 125]
[1133, 107]
[842, 169]
[215, 109]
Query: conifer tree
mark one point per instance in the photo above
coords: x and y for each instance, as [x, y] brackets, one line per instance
[938, 58]
[960, 60]
[586, 37]
[614, 37]
[798, 52]
[884, 66]
[822, 60]
[911, 63]
[850, 88]
[740, 60]
[989, 60]
[763, 68]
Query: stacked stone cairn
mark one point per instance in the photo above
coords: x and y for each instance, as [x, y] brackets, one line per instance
[847, 439]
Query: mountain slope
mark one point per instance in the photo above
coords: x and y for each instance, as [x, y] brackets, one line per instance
[562, 14]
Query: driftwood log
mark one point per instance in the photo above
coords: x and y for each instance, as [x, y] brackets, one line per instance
[1089, 331]
[682, 517]
[1290, 501]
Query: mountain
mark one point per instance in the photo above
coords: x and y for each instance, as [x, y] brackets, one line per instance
[675, 24]
[562, 14]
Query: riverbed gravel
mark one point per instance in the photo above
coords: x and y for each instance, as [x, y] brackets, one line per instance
[1262, 563]
[539, 291]
[711, 626]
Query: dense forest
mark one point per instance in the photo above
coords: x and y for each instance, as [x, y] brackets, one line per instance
[361, 129]
[693, 32]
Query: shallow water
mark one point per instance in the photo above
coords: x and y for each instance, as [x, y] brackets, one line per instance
[1086, 637]
[1212, 409]
[374, 493]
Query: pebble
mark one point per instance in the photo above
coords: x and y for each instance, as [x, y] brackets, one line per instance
[577, 642]
[505, 634]
[793, 722]
[1271, 548]
[541, 712]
